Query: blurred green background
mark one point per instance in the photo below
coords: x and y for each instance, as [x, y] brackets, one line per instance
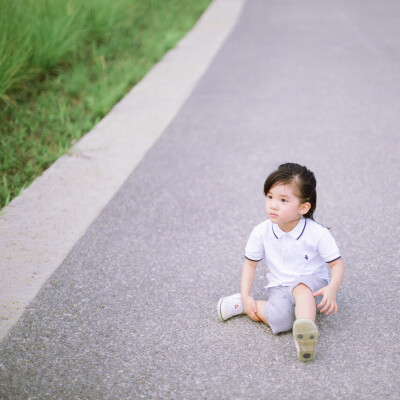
[65, 63]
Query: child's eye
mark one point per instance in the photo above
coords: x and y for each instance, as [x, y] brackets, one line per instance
[269, 197]
[284, 201]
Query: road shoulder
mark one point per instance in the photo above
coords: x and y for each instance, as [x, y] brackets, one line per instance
[39, 228]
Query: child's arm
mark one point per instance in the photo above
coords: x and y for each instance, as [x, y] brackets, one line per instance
[328, 302]
[248, 273]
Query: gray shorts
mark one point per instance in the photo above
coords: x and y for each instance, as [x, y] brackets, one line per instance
[279, 309]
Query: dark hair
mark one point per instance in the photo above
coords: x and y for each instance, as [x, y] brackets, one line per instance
[304, 180]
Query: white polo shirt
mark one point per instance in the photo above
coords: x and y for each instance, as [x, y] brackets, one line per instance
[305, 250]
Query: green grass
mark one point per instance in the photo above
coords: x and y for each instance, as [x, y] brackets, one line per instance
[64, 64]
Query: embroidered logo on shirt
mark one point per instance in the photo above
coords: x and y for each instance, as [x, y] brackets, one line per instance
[306, 257]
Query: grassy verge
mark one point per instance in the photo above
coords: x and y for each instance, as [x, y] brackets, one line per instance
[64, 67]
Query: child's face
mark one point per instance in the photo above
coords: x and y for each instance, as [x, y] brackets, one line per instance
[283, 207]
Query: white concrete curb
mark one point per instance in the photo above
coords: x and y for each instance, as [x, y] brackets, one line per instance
[39, 228]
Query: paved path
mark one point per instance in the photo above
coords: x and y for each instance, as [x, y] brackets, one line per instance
[39, 228]
[130, 313]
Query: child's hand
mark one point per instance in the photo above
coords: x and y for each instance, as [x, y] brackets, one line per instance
[250, 308]
[328, 302]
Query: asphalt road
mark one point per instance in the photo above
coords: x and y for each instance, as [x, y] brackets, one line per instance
[131, 312]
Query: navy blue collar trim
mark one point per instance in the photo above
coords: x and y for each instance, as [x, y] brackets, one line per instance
[305, 223]
[304, 227]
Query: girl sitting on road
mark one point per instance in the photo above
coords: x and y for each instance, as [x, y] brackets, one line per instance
[296, 250]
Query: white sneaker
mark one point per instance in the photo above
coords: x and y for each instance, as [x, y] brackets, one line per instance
[230, 306]
[305, 334]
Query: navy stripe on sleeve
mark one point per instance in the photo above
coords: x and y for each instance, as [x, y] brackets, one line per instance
[334, 260]
[252, 260]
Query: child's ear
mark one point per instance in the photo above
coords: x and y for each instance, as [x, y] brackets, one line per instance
[305, 208]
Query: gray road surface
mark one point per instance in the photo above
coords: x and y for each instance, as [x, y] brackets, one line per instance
[131, 314]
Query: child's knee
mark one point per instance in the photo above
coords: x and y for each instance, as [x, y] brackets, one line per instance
[301, 289]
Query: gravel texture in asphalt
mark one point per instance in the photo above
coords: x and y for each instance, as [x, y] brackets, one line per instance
[131, 313]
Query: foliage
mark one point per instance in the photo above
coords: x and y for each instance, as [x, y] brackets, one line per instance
[65, 63]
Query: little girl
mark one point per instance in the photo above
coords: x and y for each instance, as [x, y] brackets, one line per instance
[296, 250]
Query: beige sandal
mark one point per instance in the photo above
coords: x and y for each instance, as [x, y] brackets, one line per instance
[305, 334]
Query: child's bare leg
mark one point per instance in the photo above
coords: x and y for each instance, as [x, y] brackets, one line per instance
[305, 303]
[305, 331]
[260, 311]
